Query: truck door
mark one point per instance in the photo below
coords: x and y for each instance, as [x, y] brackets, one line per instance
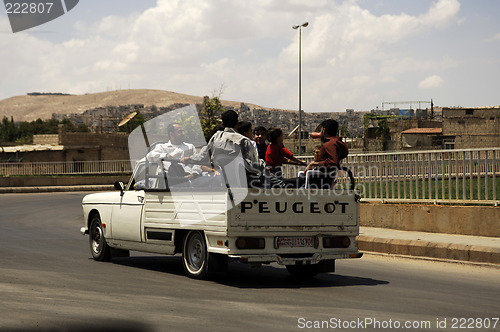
[126, 216]
[127, 212]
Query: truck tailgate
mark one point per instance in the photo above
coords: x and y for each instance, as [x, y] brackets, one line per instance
[294, 208]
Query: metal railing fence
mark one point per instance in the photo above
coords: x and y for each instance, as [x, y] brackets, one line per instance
[464, 176]
[66, 168]
[471, 175]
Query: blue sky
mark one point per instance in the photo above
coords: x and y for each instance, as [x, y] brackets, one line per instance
[355, 54]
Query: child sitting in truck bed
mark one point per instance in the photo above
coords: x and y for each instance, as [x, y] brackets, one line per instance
[277, 153]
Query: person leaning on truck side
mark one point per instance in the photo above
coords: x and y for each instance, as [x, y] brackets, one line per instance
[331, 152]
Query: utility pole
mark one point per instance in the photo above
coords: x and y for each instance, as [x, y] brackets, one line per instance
[300, 82]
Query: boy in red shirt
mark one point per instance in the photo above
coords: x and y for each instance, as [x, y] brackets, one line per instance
[276, 153]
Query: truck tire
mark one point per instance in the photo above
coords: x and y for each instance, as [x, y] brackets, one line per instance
[198, 262]
[98, 246]
[302, 271]
[195, 255]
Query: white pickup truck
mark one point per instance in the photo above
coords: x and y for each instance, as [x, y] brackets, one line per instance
[306, 230]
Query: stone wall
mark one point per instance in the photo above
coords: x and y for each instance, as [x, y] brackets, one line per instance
[110, 146]
[46, 139]
[472, 127]
[376, 145]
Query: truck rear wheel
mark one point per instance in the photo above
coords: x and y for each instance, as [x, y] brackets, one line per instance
[302, 271]
[198, 262]
[98, 246]
[195, 255]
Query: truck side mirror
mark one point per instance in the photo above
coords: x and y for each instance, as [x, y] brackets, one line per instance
[119, 185]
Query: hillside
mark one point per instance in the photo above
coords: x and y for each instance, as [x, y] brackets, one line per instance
[29, 108]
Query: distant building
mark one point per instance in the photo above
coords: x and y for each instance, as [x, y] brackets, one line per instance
[422, 138]
[467, 128]
[460, 128]
[402, 133]
[73, 147]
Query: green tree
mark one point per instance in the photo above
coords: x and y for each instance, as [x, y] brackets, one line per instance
[68, 125]
[212, 109]
[82, 128]
[190, 127]
[344, 131]
[8, 130]
[383, 132]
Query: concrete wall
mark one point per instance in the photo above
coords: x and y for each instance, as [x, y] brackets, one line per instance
[465, 220]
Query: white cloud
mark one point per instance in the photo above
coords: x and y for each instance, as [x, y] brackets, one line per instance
[431, 82]
[441, 14]
[193, 46]
[493, 38]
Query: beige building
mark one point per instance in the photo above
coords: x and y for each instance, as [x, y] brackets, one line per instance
[460, 128]
[74, 147]
[468, 128]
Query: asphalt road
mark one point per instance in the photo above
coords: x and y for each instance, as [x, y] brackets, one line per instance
[48, 282]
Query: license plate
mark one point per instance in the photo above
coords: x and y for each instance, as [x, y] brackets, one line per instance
[293, 241]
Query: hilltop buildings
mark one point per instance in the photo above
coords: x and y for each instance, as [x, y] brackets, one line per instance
[388, 130]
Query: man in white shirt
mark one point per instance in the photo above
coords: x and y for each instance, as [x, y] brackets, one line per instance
[176, 149]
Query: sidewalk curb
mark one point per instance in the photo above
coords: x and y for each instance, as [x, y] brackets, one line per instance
[432, 259]
[420, 248]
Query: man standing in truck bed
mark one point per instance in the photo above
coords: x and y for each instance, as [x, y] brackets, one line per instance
[227, 144]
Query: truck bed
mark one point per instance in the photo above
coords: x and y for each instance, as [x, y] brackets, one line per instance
[291, 227]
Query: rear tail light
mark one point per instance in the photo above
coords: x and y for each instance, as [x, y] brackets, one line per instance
[250, 243]
[336, 242]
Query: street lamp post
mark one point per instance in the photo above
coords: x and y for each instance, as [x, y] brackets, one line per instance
[300, 82]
